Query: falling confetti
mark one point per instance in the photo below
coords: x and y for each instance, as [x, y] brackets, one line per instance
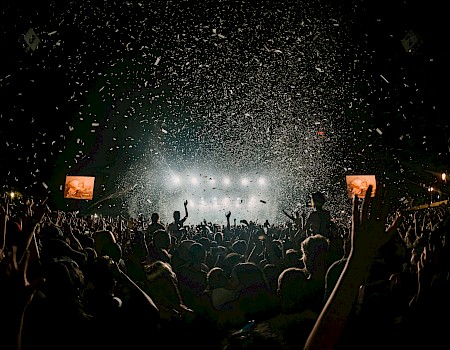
[288, 89]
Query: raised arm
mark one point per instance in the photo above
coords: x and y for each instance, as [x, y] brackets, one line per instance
[228, 220]
[368, 234]
[15, 295]
[4, 212]
[186, 214]
[288, 215]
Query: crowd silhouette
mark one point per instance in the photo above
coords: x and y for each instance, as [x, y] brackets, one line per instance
[81, 282]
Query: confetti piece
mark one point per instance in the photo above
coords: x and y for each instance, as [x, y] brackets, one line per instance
[384, 79]
[379, 131]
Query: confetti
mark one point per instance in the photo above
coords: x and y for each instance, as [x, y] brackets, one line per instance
[382, 77]
[242, 89]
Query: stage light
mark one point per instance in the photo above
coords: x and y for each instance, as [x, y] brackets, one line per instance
[226, 181]
[261, 181]
[194, 181]
[176, 179]
[251, 201]
[244, 181]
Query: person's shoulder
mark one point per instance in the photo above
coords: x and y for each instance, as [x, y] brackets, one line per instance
[324, 212]
[172, 226]
[314, 215]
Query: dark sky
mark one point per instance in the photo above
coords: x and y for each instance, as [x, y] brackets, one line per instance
[304, 91]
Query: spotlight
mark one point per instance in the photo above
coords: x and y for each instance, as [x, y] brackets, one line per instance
[226, 181]
[244, 181]
[176, 179]
[261, 181]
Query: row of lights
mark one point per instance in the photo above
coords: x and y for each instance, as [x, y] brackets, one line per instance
[177, 180]
[223, 202]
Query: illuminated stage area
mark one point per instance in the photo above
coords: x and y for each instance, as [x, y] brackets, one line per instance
[210, 198]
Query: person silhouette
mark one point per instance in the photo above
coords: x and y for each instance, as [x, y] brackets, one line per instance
[319, 221]
[176, 227]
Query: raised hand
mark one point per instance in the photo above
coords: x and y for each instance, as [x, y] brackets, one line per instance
[15, 295]
[14, 276]
[369, 232]
[4, 212]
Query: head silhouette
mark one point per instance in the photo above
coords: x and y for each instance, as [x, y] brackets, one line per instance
[318, 199]
[155, 217]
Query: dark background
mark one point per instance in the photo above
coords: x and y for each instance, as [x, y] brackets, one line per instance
[118, 89]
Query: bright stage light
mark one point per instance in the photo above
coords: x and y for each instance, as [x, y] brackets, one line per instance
[210, 195]
[176, 179]
[244, 181]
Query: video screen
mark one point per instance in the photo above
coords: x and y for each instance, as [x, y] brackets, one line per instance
[358, 184]
[79, 187]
